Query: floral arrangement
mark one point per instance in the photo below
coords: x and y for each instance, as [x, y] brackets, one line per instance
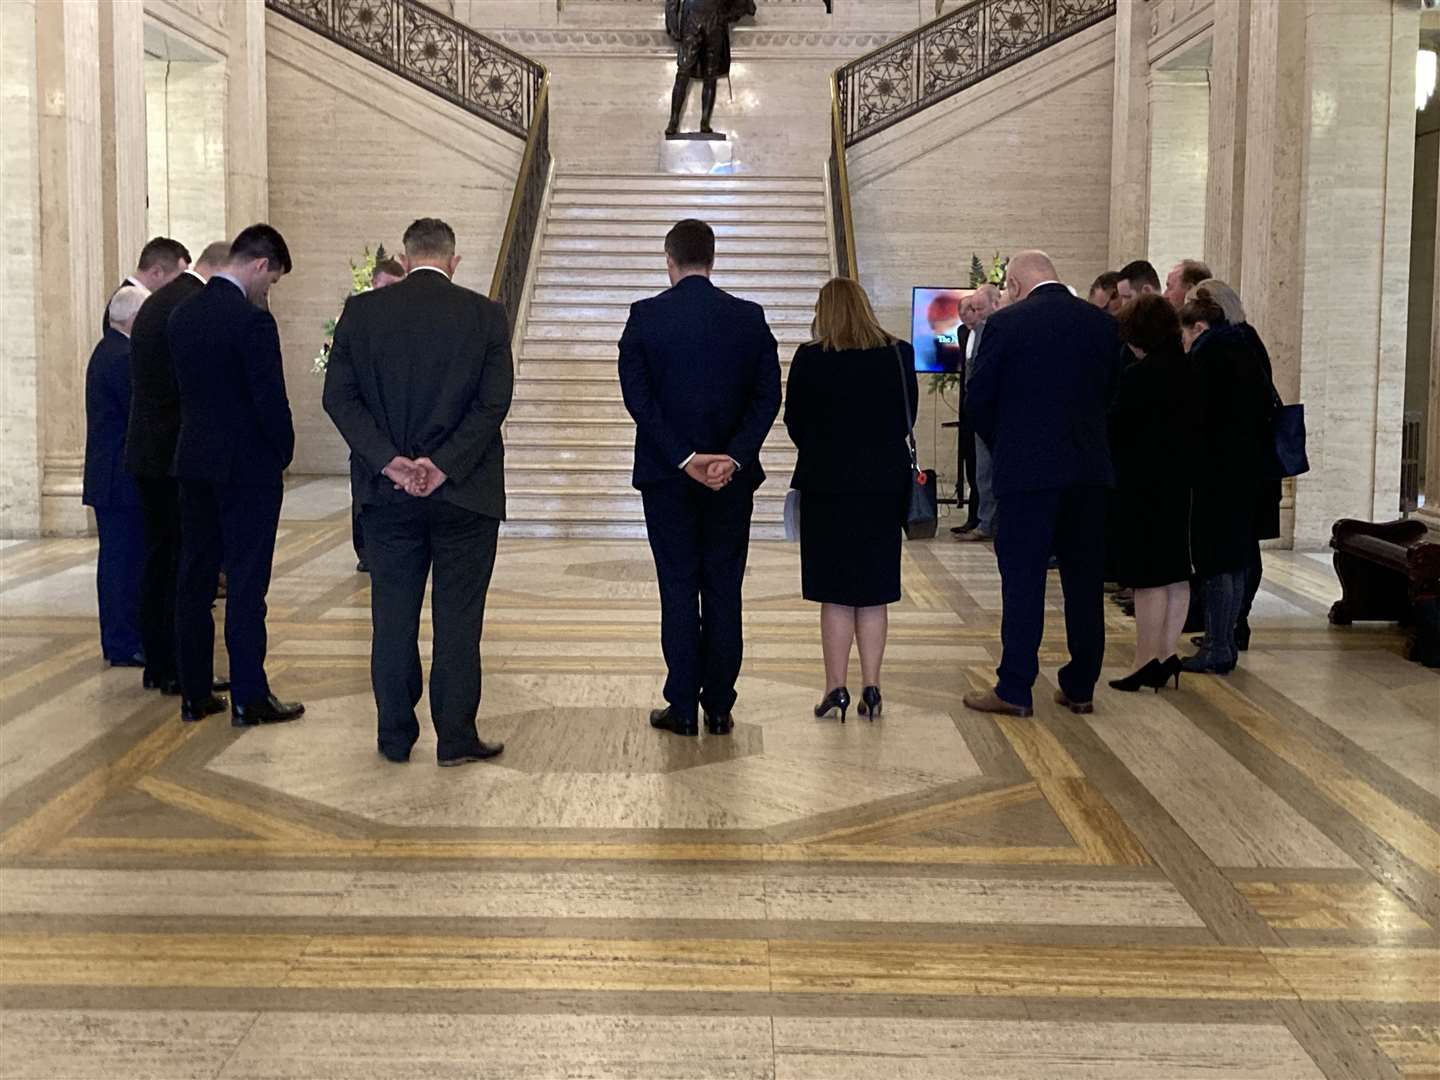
[980, 274]
[360, 275]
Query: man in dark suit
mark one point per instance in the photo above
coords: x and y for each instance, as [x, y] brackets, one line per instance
[152, 428]
[236, 440]
[161, 261]
[419, 382]
[1039, 395]
[109, 491]
[701, 377]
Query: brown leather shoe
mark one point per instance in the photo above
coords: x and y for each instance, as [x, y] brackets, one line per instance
[991, 702]
[1079, 708]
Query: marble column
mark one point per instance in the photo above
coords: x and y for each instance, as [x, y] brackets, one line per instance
[1130, 138]
[123, 141]
[72, 245]
[247, 169]
[1430, 512]
[20, 273]
[1179, 126]
[1225, 177]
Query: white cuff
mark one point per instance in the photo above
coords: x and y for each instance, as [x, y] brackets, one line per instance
[686, 461]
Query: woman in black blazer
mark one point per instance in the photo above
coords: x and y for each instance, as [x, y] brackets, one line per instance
[1152, 426]
[849, 405]
[1233, 446]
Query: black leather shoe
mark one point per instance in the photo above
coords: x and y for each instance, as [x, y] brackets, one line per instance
[362, 567]
[669, 720]
[157, 682]
[127, 661]
[719, 723]
[191, 711]
[395, 757]
[481, 751]
[268, 711]
[221, 684]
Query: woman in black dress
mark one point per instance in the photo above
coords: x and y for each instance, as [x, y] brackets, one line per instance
[1151, 429]
[1233, 448]
[849, 404]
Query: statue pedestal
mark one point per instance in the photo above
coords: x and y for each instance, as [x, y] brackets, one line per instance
[697, 152]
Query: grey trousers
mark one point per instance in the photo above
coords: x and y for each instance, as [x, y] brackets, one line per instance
[985, 481]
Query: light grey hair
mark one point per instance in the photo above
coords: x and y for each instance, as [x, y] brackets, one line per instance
[125, 304]
[1223, 295]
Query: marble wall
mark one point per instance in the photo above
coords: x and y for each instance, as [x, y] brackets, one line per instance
[185, 120]
[1357, 190]
[1179, 161]
[20, 345]
[355, 155]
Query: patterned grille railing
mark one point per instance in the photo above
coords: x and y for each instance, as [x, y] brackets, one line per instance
[467, 69]
[951, 53]
[433, 50]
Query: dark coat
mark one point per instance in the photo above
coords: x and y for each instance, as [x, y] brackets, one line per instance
[700, 373]
[422, 368]
[1044, 376]
[235, 423]
[107, 411]
[1267, 506]
[154, 397]
[846, 413]
[1233, 448]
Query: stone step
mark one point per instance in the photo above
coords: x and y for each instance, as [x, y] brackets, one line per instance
[651, 245]
[650, 280]
[667, 215]
[608, 430]
[594, 295]
[656, 229]
[568, 330]
[694, 203]
[568, 305]
[732, 265]
[606, 182]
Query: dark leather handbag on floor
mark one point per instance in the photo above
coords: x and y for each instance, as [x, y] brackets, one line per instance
[922, 515]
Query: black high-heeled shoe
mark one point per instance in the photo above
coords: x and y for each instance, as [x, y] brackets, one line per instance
[870, 703]
[1152, 674]
[839, 698]
[1173, 667]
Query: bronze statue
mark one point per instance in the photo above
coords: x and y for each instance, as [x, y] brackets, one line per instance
[702, 30]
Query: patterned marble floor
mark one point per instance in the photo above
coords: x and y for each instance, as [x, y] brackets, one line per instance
[1239, 879]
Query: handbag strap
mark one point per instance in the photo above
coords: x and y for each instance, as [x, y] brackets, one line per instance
[905, 396]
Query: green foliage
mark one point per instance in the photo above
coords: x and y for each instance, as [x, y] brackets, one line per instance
[360, 275]
[977, 272]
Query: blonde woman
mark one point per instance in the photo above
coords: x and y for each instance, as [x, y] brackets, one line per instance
[850, 401]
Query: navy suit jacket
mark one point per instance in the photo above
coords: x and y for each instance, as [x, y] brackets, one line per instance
[1044, 377]
[107, 414]
[700, 372]
[235, 424]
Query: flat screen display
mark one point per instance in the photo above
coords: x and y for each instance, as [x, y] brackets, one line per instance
[935, 328]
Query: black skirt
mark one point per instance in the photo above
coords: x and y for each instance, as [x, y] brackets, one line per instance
[1149, 536]
[850, 548]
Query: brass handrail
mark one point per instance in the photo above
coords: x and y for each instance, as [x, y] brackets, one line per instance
[844, 223]
[513, 258]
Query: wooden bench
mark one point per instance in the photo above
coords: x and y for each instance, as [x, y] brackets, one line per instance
[1389, 573]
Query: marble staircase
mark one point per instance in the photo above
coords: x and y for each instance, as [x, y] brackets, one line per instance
[569, 441]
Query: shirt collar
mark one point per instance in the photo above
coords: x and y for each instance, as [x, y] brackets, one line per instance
[225, 275]
[197, 276]
[434, 269]
[1052, 281]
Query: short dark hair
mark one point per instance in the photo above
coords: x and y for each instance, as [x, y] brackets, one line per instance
[162, 251]
[1202, 307]
[262, 242]
[429, 236]
[691, 243]
[1192, 272]
[387, 266]
[1109, 281]
[1140, 273]
[1149, 322]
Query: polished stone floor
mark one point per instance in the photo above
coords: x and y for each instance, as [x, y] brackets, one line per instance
[1240, 879]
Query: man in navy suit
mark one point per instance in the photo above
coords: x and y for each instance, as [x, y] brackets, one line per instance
[236, 440]
[110, 490]
[700, 374]
[1038, 397]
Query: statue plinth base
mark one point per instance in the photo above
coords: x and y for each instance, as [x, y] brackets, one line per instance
[697, 152]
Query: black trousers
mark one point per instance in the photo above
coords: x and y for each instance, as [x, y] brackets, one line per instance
[160, 502]
[971, 497]
[403, 543]
[700, 539]
[357, 531]
[1033, 524]
[119, 577]
[239, 521]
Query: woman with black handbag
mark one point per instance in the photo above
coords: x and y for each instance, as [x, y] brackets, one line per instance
[849, 408]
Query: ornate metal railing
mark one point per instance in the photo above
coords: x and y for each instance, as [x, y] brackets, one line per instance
[467, 69]
[928, 65]
[951, 53]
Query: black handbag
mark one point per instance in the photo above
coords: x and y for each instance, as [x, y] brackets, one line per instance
[922, 513]
[1287, 428]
